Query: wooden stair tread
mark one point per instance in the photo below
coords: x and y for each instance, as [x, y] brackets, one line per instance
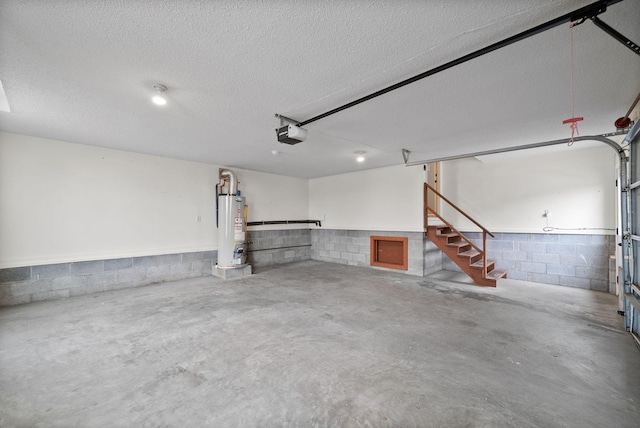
[478, 264]
[458, 244]
[448, 235]
[497, 274]
[470, 253]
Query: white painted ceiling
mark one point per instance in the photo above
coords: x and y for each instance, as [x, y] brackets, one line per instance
[82, 71]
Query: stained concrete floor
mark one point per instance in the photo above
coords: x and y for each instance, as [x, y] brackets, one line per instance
[313, 344]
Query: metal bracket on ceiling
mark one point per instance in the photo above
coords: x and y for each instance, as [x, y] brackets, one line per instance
[616, 35]
[592, 14]
[405, 155]
[284, 120]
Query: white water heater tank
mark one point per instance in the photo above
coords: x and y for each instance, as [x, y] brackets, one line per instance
[231, 231]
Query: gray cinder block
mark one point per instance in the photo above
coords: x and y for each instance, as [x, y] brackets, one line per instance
[101, 279]
[82, 268]
[118, 285]
[49, 295]
[151, 261]
[520, 256]
[189, 257]
[210, 255]
[131, 275]
[552, 258]
[532, 247]
[545, 278]
[15, 274]
[575, 239]
[532, 267]
[117, 264]
[50, 271]
[10, 300]
[64, 282]
[30, 287]
[89, 289]
[592, 250]
[180, 268]
[561, 248]
[543, 237]
[599, 285]
[591, 272]
[563, 270]
[155, 271]
[575, 282]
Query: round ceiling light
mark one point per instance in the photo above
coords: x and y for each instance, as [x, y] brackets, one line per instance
[159, 98]
[360, 155]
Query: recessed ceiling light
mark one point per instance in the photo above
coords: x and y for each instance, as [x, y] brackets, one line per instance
[159, 98]
[360, 154]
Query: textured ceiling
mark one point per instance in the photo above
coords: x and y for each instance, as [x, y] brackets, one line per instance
[82, 71]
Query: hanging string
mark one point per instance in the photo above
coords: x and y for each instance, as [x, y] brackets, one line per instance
[573, 121]
[572, 80]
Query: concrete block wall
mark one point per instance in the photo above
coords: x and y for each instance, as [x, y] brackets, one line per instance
[270, 247]
[49, 282]
[580, 261]
[613, 280]
[352, 247]
[433, 257]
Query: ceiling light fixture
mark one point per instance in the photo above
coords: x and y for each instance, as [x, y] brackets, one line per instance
[159, 98]
[360, 154]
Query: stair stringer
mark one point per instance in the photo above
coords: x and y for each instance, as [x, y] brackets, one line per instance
[463, 261]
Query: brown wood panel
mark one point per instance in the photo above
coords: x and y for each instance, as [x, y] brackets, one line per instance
[389, 252]
[432, 179]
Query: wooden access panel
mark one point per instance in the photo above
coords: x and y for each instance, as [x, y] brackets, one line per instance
[389, 252]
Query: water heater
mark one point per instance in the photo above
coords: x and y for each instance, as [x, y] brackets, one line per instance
[232, 227]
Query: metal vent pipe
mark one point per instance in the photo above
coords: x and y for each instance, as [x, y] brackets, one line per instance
[233, 181]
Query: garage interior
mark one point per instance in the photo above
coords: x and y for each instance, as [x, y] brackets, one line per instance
[177, 265]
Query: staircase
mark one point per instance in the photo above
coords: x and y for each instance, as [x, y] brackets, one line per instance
[469, 257]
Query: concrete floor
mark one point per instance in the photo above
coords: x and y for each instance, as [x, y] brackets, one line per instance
[313, 344]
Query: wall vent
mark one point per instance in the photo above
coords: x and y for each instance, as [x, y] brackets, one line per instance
[389, 252]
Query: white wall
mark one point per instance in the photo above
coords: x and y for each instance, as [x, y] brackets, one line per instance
[510, 192]
[274, 197]
[378, 199]
[63, 202]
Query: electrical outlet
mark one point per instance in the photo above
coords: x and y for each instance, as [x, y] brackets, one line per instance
[546, 214]
[199, 219]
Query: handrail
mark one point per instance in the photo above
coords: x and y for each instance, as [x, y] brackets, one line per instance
[485, 231]
[450, 226]
[456, 208]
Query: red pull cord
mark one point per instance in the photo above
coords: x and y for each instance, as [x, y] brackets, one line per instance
[573, 120]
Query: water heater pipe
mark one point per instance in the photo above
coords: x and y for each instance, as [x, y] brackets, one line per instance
[233, 181]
